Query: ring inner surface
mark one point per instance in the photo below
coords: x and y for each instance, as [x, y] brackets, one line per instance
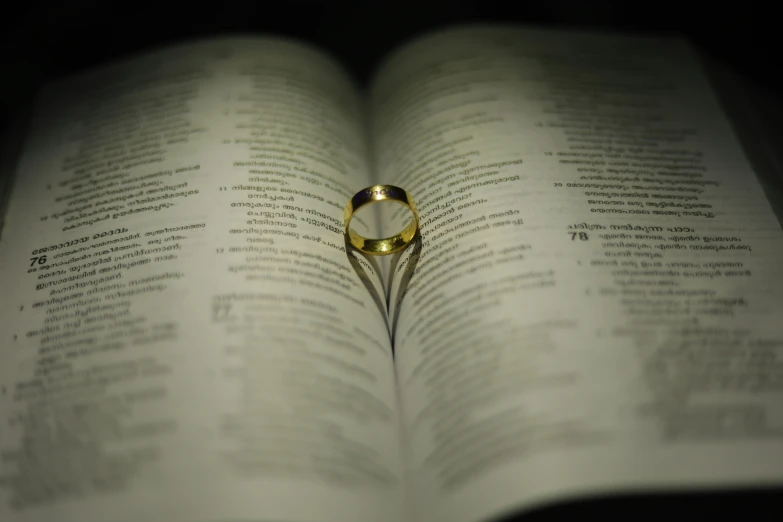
[395, 240]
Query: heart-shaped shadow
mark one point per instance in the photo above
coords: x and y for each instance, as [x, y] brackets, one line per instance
[402, 269]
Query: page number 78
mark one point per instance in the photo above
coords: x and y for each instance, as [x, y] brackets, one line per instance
[581, 236]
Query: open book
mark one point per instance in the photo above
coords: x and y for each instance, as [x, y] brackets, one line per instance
[596, 307]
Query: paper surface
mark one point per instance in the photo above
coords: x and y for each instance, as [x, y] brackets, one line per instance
[183, 336]
[598, 301]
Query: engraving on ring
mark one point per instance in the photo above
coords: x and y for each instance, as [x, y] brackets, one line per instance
[383, 192]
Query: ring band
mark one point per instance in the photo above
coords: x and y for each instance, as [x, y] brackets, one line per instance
[376, 194]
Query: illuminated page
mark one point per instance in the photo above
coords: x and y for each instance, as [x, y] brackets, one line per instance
[598, 302]
[184, 338]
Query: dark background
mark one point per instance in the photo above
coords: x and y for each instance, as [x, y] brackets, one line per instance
[40, 40]
[43, 40]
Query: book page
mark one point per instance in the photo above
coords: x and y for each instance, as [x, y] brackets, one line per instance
[597, 306]
[184, 338]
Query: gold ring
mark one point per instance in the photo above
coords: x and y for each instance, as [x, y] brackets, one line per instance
[375, 194]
